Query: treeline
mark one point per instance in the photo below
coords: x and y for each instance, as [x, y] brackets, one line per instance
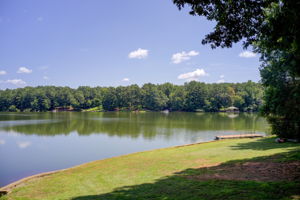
[192, 96]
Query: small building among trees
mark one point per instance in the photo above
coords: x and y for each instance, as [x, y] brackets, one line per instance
[232, 109]
[63, 108]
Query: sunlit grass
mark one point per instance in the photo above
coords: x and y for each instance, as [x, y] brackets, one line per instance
[154, 175]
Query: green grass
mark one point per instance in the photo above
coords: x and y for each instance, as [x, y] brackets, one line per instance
[94, 109]
[162, 174]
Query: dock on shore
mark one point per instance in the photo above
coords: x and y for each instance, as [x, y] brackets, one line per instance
[220, 137]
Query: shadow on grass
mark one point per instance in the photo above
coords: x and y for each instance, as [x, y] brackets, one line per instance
[263, 144]
[186, 185]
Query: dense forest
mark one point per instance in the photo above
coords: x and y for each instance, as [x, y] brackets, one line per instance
[192, 96]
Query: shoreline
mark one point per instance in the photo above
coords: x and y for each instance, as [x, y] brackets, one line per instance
[178, 171]
[9, 187]
[130, 111]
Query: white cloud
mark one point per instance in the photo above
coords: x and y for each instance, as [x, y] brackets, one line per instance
[2, 72]
[195, 75]
[2, 142]
[180, 57]
[17, 82]
[23, 145]
[222, 76]
[247, 54]
[45, 77]
[24, 70]
[126, 79]
[139, 53]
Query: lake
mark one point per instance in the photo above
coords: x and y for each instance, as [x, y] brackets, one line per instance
[32, 143]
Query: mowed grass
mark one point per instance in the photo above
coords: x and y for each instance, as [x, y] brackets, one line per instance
[162, 174]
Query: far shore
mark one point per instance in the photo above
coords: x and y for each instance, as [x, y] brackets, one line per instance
[133, 111]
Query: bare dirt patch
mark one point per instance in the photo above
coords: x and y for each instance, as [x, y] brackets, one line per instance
[257, 171]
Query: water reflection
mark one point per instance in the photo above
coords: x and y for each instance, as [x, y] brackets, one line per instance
[31, 143]
[133, 125]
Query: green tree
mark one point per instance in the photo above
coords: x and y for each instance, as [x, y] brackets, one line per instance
[177, 99]
[188, 97]
[134, 97]
[272, 28]
[196, 94]
[153, 99]
[35, 105]
[110, 101]
[238, 102]
[13, 108]
[281, 68]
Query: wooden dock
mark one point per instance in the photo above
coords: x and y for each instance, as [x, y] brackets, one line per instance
[220, 137]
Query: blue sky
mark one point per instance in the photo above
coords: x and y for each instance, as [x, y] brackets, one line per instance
[111, 43]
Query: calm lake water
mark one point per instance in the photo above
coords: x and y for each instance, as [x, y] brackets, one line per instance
[32, 143]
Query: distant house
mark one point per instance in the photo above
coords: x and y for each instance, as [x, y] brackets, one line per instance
[232, 109]
[63, 108]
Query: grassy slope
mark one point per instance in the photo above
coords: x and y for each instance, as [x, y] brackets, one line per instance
[158, 174]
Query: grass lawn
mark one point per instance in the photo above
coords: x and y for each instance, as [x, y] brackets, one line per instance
[200, 171]
[94, 109]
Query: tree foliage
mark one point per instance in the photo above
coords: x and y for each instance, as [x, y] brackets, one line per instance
[280, 70]
[272, 28]
[236, 20]
[191, 96]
